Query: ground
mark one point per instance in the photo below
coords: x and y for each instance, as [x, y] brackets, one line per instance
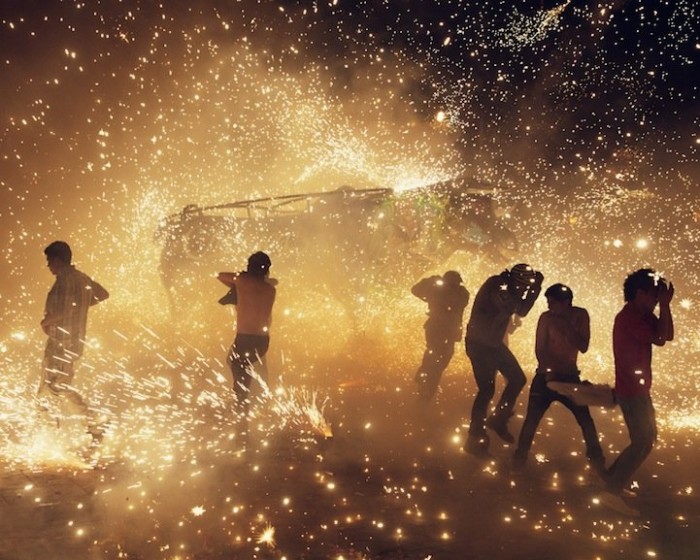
[392, 483]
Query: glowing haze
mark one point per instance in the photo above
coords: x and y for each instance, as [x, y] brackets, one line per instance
[580, 118]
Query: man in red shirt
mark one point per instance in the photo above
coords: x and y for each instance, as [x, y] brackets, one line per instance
[635, 330]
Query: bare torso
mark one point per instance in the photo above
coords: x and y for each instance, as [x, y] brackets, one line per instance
[560, 337]
[256, 297]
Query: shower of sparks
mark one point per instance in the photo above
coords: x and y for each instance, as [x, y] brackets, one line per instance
[574, 128]
[267, 536]
[299, 407]
[529, 30]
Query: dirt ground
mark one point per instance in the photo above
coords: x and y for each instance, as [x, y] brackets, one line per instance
[392, 483]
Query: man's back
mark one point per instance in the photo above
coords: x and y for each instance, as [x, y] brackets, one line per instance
[255, 300]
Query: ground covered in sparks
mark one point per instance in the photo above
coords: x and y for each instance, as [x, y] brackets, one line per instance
[174, 479]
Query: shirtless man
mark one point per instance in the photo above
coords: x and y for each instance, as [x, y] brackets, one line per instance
[254, 296]
[562, 332]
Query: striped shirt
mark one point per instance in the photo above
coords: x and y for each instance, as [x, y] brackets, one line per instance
[68, 302]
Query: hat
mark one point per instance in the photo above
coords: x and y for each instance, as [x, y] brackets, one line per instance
[523, 274]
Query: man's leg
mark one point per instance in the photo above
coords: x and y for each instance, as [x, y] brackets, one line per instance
[484, 375]
[58, 370]
[515, 381]
[247, 350]
[590, 434]
[56, 389]
[239, 364]
[438, 354]
[538, 402]
[641, 423]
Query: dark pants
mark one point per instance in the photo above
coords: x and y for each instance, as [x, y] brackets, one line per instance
[247, 351]
[640, 418]
[439, 350]
[486, 361]
[541, 397]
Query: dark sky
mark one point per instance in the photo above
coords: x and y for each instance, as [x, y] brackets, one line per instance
[564, 76]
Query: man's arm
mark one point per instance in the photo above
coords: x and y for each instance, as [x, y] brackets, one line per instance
[99, 293]
[541, 339]
[424, 287]
[579, 333]
[48, 321]
[228, 278]
[524, 306]
[664, 328]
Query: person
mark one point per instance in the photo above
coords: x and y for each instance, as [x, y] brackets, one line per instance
[562, 332]
[513, 291]
[65, 322]
[446, 298]
[636, 329]
[254, 298]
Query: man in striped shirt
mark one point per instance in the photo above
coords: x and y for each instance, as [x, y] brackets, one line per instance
[64, 322]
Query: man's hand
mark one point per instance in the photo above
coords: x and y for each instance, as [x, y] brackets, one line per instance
[47, 322]
[666, 293]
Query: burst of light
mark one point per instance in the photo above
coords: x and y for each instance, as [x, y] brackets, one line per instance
[267, 536]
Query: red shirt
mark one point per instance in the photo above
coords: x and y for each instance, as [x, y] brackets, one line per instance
[633, 334]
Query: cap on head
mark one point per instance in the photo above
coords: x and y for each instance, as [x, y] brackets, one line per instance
[452, 277]
[523, 274]
[559, 292]
[59, 250]
[259, 264]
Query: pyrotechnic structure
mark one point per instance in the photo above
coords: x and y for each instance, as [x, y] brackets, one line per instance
[577, 121]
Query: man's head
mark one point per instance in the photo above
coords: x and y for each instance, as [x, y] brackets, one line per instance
[559, 296]
[560, 292]
[452, 277]
[58, 256]
[259, 264]
[642, 287]
[520, 279]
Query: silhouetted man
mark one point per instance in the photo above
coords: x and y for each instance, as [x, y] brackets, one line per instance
[446, 298]
[562, 332]
[635, 330]
[513, 291]
[254, 298]
[65, 322]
